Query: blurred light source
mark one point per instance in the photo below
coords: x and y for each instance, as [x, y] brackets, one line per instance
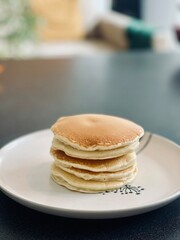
[2, 68]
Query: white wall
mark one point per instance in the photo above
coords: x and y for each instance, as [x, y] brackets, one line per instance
[160, 13]
[92, 9]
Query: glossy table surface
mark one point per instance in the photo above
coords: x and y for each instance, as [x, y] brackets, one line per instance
[144, 87]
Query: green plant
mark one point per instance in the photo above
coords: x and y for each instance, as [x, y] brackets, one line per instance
[17, 23]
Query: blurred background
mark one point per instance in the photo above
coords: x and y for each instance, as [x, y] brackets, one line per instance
[55, 28]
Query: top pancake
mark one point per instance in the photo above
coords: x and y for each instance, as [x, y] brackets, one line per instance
[92, 132]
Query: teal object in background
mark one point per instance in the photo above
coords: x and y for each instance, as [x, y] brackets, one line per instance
[140, 35]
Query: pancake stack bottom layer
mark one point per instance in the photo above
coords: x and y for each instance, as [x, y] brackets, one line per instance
[94, 153]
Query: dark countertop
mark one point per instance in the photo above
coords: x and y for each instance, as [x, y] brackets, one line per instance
[144, 87]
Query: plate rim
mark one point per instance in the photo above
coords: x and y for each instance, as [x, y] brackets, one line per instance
[83, 213]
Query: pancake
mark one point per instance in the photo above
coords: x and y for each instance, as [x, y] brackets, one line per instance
[100, 176]
[94, 155]
[77, 184]
[91, 132]
[107, 165]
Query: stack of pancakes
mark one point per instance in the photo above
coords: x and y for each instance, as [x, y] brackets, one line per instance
[94, 153]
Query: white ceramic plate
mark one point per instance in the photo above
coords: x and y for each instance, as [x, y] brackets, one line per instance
[25, 177]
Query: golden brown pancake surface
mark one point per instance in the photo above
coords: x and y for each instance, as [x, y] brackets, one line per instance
[96, 131]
